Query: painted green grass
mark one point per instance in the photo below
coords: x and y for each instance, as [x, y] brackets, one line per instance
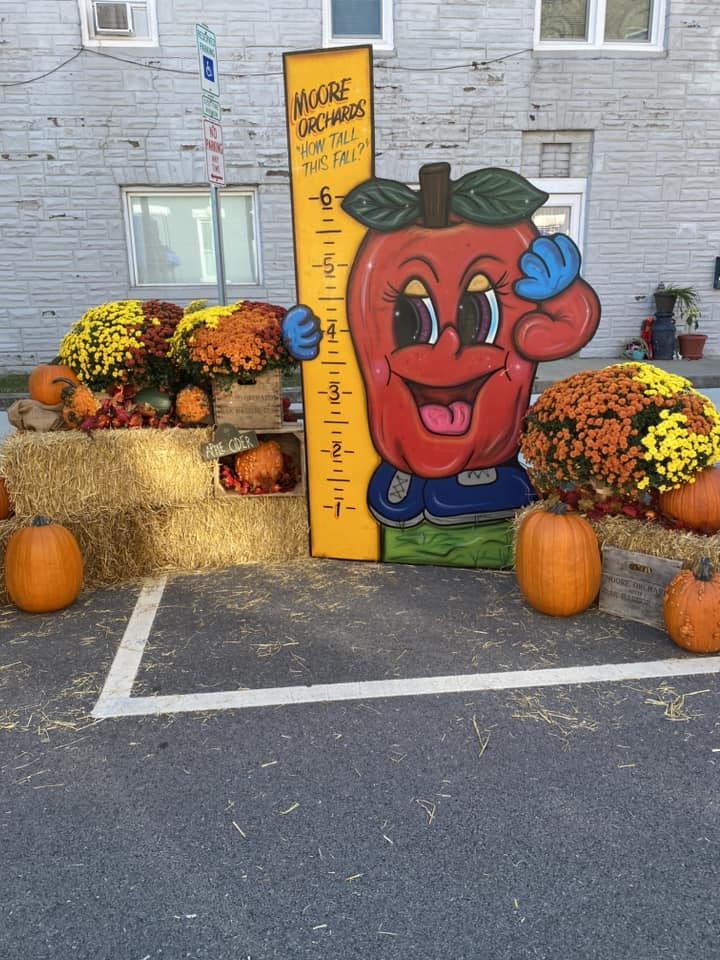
[487, 546]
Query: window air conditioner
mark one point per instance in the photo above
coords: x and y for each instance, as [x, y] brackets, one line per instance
[112, 18]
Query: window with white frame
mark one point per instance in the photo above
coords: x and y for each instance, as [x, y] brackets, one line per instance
[106, 23]
[358, 21]
[564, 209]
[170, 236]
[608, 24]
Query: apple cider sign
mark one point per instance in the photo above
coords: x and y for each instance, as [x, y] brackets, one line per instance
[424, 312]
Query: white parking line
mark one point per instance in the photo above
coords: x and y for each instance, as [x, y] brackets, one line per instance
[115, 699]
[413, 687]
[127, 660]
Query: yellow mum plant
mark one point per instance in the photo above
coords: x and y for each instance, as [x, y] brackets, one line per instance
[124, 342]
[98, 346]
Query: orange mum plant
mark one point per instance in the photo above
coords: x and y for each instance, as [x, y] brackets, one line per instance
[629, 430]
[233, 343]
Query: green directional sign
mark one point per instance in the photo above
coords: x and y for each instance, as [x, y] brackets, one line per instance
[211, 107]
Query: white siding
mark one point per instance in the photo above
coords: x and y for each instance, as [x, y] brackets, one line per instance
[647, 128]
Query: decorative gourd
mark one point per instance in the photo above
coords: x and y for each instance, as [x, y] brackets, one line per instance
[262, 466]
[192, 405]
[43, 567]
[152, 400]
[79, 403]
[696, 504]
[46, 382]
[557, 561]
[691, 609]
[5, 505]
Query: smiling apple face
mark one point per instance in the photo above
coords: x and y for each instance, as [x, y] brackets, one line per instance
[431, 315]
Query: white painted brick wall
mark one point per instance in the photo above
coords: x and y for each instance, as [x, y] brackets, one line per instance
[71, 140]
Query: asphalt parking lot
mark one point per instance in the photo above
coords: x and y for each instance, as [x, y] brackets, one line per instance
[331, 759]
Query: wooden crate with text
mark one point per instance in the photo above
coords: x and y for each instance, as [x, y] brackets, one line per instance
[292, 446]
[251, 406]
[633, 584]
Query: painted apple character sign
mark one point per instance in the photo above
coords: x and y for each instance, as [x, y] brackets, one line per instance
[452, 301]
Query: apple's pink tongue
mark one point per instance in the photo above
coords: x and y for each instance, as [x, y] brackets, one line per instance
[451, 420]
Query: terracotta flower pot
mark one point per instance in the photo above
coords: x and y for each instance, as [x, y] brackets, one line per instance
[691, 345]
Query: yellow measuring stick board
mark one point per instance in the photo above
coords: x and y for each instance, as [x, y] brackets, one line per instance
[328, 96]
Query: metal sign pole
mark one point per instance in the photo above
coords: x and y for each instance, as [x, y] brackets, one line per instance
[213, 141]
[217, 244]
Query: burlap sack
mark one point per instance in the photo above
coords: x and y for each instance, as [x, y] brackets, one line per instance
[31, 415]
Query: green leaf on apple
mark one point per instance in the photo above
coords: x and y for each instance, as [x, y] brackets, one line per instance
[495, 196]
[383, 205]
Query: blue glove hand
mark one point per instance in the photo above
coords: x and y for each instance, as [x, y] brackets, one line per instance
[550, 266]
[301, 333]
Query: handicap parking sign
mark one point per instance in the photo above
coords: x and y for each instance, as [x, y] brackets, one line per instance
[207, 60]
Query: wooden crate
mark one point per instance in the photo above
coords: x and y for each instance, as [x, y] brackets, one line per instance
[292, 444]
[251, 406]
[633, 584]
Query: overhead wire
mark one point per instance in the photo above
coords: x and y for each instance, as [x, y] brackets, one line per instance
[379, 64]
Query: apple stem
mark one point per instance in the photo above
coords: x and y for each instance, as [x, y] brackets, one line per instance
[434, 194]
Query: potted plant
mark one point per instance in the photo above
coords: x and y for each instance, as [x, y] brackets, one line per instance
[690, 343]
[681, 304]
[668, 297]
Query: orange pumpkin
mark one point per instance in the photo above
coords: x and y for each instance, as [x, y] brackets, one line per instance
[192, 405]
[262, 466]
[43, 567]
[695, 504]
[691, 609]
[43, 384]
[79, 403]
[5, 505]
[557, 561]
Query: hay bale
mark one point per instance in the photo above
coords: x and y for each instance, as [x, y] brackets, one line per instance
[641, 536]
[229, 531]
[656, 541]
[142, 501]
[114, 548]
[7, 529]
[68, 473]
[124, 546]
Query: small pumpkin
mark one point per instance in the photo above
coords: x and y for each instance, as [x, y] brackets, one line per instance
[43, 567]
[696, 504]
[192, 405]
[262, 466]
[5, 505]
[557, 561]
[79, 403]
[47, 381]
[152, 400]
[691, 609]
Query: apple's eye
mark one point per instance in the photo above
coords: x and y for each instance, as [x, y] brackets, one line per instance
[414, 319]
[478, 314]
